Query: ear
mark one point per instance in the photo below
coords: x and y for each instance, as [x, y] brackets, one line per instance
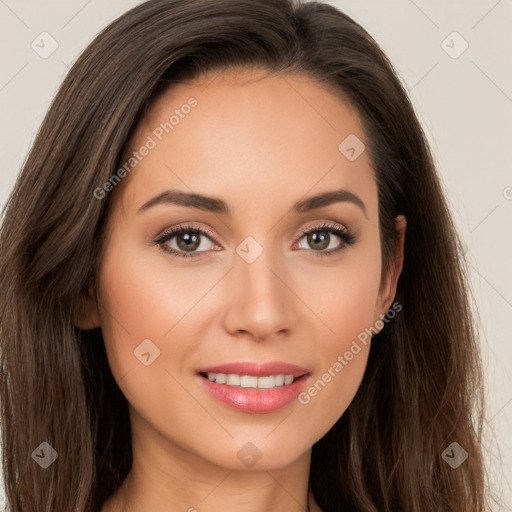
[387, 290]
[88, 317]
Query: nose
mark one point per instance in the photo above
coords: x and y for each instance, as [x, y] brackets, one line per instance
[259, 301]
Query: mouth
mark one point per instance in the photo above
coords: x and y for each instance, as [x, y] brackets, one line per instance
[252, 387]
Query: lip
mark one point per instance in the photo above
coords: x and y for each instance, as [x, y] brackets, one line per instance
[255, 400]
[257, 369]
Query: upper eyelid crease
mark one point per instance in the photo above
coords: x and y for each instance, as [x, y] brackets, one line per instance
[331, 226]
[216, 205]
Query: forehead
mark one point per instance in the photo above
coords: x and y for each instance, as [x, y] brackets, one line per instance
[248, 133]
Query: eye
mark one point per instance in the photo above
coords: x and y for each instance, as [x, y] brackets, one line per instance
[188, 241]
[320, 238]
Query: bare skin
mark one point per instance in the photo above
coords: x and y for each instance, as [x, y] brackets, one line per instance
[260, 144]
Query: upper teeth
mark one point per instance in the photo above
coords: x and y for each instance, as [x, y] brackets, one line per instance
[250, 381]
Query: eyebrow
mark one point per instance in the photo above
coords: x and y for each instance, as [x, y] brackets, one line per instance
[216, 205]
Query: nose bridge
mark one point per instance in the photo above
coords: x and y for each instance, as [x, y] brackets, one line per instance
[258, 300]
[258, 278]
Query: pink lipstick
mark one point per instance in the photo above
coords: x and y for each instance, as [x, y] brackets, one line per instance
[254, 387]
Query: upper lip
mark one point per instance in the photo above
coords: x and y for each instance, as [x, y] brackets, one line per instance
[256, 369]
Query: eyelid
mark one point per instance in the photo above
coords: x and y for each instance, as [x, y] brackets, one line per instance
[323, 224]
[189, 226]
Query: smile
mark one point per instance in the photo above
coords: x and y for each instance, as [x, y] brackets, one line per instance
[247, 393]
[250, 381]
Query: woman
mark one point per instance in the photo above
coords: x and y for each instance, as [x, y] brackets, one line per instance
[230, 280]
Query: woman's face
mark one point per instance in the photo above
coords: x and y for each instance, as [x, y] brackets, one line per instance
[254, 288]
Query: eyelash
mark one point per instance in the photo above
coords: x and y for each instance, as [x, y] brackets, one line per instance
[348, 238]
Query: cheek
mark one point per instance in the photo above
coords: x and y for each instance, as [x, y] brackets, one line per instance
[132, 308]
[342, 350]
[143, 297]
[344, 299]
[343, 295]
[140, 307]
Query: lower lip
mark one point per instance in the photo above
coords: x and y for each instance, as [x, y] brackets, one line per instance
[253, 399]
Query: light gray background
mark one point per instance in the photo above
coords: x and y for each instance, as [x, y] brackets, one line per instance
[464, 104]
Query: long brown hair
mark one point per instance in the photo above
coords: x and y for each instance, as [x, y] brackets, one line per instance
[422, 389]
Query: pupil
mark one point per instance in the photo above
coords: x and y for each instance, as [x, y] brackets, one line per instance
[189, 241]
